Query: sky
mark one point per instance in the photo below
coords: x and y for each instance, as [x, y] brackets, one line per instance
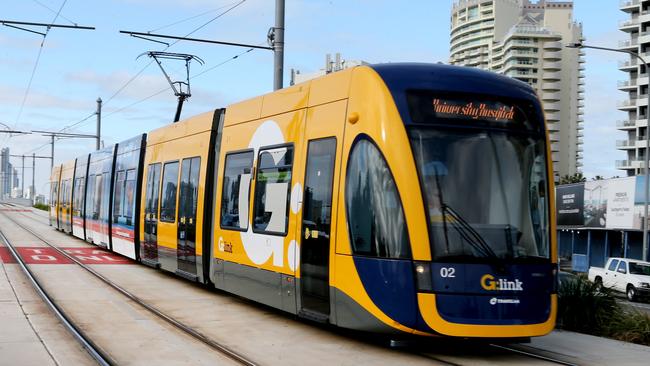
[52, 83]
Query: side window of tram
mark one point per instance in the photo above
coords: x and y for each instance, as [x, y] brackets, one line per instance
[273, 182]
[169, 185]
[53, 194]
[236, 190]
[128, 196]
[374, 210]
[118, 199]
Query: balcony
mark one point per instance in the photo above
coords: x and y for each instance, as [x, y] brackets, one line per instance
[551, 106]
[627, 104]
[627, 84]
[629, 44]
[552, 126]
[551, 76]
[555, 147]
[623, 164]
[552, 66]
[629, 24]
[552, 117]
[554, 55]
[550, 96]
[628, 65]
[626, 4]
[554, 45]
[625, 124]
[625, 144]
[550, 86]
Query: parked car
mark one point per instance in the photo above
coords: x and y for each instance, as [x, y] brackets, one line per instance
[626, 275]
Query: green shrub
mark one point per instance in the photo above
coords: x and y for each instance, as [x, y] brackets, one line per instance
[42, 206]
[586, 308]
[633, 326]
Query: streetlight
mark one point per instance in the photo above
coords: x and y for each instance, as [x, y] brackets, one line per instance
[644, 253]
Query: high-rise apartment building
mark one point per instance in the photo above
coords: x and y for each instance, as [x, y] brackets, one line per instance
[525, 40]
[636, 106]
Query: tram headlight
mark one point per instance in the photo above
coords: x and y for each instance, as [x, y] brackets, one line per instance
[423, 276]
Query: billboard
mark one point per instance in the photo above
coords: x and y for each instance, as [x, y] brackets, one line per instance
[569, 200]
[595, 199]
[620, 203]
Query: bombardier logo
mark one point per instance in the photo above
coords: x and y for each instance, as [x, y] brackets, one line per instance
[489, 283]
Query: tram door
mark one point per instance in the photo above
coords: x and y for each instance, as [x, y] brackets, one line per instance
[149, 251]
[189, 189]
[315, 243]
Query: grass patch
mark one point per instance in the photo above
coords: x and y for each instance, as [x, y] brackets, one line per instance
[586, 308]
[42, 206]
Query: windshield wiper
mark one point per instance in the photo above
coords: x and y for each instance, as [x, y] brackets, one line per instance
[468, 233]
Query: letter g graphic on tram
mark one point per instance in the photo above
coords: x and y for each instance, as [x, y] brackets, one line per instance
[488, 283]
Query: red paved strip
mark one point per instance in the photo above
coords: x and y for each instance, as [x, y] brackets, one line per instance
[42, 256]
[97, 256]
[5, 256]
[14, 210]
[51, 256]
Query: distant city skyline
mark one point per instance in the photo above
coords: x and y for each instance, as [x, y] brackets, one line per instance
[77, 67]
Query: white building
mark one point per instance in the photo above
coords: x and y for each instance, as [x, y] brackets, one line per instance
[636, 85]
[525, 40]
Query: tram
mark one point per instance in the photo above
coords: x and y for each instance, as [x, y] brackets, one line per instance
[396, 198]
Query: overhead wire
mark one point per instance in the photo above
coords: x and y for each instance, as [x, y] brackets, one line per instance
[84, 120]
[132, 79]
[38, 58]
[190, 18]
[54, 12]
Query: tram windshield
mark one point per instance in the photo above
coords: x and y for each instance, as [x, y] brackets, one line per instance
[485, 193]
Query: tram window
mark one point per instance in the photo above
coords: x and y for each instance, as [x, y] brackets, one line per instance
[236, 190]
[375, 215]
[273, 181]
[170, 182]
[129, 196]
[97, 197]
[119, 192]
[55, 191]
[78, 195]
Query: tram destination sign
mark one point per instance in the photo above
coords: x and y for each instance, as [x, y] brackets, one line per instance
[473, 110]
[428, 107]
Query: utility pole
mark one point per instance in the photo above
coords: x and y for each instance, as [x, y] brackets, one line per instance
[99, 123]
[278, 45]
[52, 153]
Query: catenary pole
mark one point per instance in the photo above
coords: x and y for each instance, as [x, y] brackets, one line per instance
[278, 45]
[99, 123]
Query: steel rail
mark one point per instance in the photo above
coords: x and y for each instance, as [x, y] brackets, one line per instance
[232, 354]
[93, 350]
[532, 355]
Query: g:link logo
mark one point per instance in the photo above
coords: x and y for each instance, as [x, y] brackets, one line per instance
[489, 283]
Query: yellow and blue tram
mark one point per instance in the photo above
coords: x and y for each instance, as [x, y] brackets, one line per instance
[399, 198]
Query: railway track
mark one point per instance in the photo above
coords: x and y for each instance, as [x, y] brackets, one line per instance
[227, 351]
[456, 360]
[95, 352]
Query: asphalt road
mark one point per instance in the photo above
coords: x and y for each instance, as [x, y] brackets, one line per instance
[641, 305]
